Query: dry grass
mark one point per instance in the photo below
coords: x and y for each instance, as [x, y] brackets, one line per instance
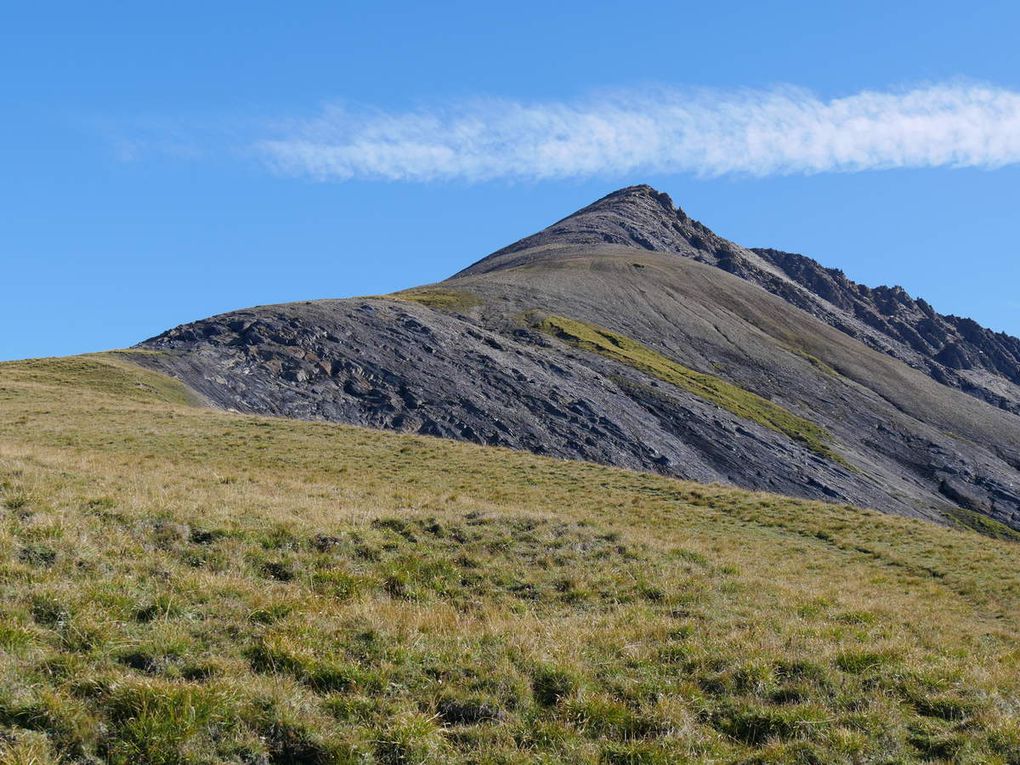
[184, 585]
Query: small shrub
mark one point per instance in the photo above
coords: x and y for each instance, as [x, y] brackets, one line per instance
[754, 724]
[201, 670]
[323, 543]
[15, 501]
[414, 738]
[279, 538]
[286, 737]
[603, 716]
[399, 526]
[338, 584]
[271, 613]
[167, 535]
[156, 721]
[330, 677]
[754, 677]
[1004, 738]
[82, 634]
[348, 708]
[280, 570]
[944, 706]
[161, 607]
[416, 578]
[14, 637]
[27, 748]
[49, 612]
[638, 753]
[652, 593]
[200, 536]
[935, 740]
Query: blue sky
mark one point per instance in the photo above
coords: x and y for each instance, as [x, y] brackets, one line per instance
[164, 162]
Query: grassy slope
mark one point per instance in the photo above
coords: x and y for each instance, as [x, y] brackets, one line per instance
[731, 397]
[188, 585]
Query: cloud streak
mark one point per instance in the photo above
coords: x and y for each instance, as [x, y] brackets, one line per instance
[706, 133]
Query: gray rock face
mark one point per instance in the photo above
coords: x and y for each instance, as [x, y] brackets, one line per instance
[637, 216]
[474, 367]
[398, 365]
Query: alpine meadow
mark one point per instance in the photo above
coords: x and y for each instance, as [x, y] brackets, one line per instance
[573, 383]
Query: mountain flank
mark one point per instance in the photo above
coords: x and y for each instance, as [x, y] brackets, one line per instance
[629, 334]
[954, 351]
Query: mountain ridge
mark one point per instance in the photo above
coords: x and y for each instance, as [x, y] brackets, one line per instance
[718, 355]
[949, 344]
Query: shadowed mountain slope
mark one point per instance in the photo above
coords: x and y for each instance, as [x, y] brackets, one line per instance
[629, 334]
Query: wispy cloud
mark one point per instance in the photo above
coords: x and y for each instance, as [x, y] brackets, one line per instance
[709, 133]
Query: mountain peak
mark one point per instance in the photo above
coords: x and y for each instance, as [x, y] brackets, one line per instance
[953, 351]
[635, 216]
[642, 191]
[545, 346]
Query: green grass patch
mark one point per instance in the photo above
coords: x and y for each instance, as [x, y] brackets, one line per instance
[730, 397]
[106, 373]
[815, 361]
[968, 519]
[453, 301]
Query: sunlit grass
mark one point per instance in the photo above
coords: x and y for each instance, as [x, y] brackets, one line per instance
[730, 397]
[440, 299]
[186, 585]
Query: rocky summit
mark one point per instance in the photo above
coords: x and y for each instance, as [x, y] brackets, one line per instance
[630, 334]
